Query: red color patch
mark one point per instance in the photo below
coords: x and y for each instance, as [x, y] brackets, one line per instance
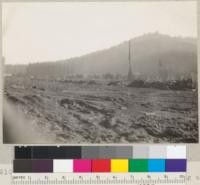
[101, 165]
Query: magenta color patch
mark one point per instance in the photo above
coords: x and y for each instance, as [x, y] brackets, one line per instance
[82, 165]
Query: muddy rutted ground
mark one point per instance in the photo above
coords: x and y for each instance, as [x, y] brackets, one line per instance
[100, 113]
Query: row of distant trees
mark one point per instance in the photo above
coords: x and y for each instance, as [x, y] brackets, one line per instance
[64, 71]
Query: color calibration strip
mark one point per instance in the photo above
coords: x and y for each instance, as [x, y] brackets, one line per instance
[123, 159]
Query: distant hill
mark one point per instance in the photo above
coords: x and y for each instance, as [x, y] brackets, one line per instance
[15, 69]
[149, 53]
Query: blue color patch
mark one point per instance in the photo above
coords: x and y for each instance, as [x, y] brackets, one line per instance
[156, 165]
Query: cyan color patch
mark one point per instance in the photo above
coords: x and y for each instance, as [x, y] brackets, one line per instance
[156, 165]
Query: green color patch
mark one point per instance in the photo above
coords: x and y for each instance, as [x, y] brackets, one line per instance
[138, 165]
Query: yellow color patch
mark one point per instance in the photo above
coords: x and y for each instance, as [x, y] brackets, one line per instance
[119, 165]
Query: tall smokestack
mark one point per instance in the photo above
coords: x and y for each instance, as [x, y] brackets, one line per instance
[130, 74]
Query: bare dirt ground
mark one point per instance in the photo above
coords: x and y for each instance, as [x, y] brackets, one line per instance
[88, 112]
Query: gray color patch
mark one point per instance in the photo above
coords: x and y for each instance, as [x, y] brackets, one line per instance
[90, 152]
[140, 152]
[107, 152]
[123, 151]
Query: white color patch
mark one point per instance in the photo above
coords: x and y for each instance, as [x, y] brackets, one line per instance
[62, 166]
[176, 152]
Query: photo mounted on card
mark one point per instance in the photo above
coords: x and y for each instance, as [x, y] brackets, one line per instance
[100, 72]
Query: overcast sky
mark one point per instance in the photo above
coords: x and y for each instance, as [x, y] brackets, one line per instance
[35, 32]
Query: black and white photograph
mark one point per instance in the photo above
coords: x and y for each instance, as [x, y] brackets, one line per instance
[100, 72]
